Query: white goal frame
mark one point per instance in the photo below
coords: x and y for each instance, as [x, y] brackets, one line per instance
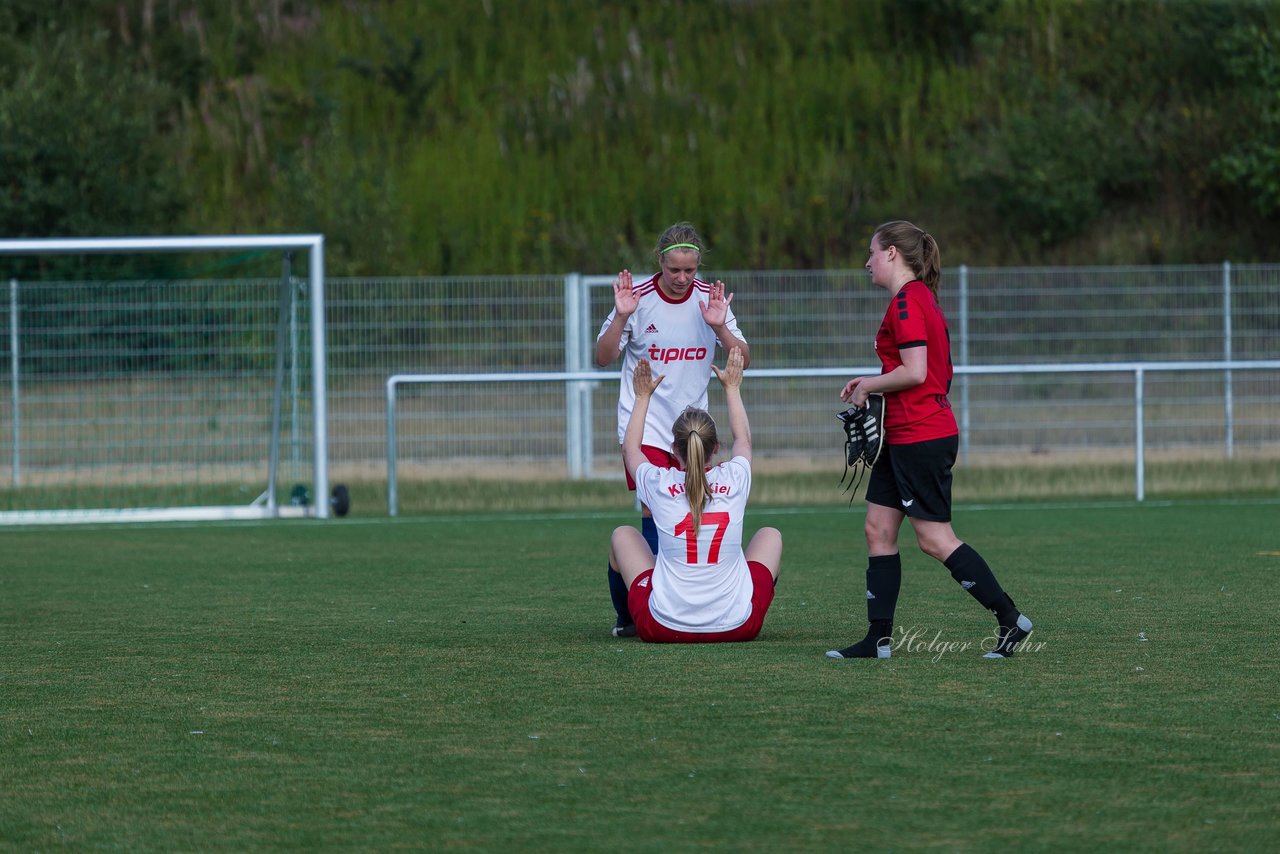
[267, 508]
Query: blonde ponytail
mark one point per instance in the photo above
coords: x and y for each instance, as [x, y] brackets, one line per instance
[695, 440]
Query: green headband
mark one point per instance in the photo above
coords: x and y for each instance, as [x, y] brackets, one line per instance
[697, 249]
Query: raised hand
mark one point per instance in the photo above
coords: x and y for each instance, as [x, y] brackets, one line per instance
[643, 380]
[625, 301]
[731, 376]
[715, 311]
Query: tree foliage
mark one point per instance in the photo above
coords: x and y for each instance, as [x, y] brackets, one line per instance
[502, 136]
[1253, 160]
[81, 150]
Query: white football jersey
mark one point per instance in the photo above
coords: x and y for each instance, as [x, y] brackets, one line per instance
[678, 343]
[702, 583]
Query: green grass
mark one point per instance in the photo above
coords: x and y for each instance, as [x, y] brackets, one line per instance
[447, 681]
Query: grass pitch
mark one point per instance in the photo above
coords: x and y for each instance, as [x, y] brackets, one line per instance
[449, 682]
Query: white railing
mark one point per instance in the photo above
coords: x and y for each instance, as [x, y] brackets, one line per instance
[574, 438]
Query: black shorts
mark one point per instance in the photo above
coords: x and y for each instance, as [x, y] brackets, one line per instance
[915, 478]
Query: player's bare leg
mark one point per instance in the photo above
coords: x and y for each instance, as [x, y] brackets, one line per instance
[766, 548]
[629, 556]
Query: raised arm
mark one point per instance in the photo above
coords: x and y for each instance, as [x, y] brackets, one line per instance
[715, 311]
[731, 379]
[608, 345]
[645, 384]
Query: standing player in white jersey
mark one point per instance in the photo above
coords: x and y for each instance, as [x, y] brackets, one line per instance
[701, 586]
[674, 320]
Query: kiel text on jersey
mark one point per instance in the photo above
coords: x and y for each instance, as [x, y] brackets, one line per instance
[712, 489]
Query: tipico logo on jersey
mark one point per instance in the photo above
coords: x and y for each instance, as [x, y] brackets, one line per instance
[666, 355]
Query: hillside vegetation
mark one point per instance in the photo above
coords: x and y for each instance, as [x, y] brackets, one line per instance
[503, 136]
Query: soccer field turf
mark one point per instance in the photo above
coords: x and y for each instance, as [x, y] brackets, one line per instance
[450, 682]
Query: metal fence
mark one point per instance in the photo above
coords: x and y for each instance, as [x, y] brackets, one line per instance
[828, 319]
[1138, 373]
[803, 320]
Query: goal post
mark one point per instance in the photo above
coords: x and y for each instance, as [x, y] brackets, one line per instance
[142, 398]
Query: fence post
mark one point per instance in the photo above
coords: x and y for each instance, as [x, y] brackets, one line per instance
[1140, 474]
[1227, 349]
[585, 389]
[392, 496]
[15, 391]
[573, 364]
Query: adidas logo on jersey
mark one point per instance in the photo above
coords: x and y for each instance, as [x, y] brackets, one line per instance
[652, 330]
[644, 582]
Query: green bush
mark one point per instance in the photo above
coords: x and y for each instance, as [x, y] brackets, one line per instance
[82, 147]
[509, 137]
[1253, 162]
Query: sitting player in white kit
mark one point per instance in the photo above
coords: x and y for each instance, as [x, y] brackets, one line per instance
[701, 586]
[676, 321]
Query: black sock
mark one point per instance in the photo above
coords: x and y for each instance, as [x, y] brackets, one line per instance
[972, 573]
[618, 593]
[880, 633]
[884, 580]
[649, 530]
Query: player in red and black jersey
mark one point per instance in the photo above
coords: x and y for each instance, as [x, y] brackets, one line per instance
[912, 478]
